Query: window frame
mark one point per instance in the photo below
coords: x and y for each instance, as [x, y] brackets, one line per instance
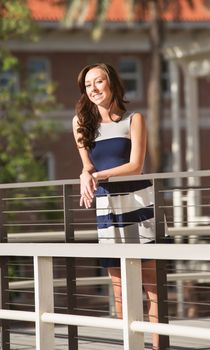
[47, 70]
[137, 76]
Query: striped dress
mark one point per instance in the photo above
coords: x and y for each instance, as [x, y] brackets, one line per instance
[124, 210]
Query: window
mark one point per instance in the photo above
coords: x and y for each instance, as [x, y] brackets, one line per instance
[47, 161]
[131, 75]
[9, 80]
[39, 73]
[165, 78]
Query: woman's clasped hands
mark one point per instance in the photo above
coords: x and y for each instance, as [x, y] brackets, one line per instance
[88, 185]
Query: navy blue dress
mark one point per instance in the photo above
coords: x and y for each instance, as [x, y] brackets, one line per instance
[124, 210]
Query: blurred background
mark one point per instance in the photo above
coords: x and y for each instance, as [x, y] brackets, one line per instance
[161, 50]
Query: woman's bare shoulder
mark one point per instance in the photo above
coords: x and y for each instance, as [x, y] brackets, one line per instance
[137, 117]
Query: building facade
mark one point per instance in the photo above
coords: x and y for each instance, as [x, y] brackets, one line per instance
[61, 53]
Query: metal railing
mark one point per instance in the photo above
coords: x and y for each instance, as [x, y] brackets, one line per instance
[49, 211]
[132, 324]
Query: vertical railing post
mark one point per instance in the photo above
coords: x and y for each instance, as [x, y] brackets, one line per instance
[161, 273]
[4, 284]
[132, 302]
[70, 264]
[43, 286]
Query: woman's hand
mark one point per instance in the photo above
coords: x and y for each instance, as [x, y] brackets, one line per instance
[88, 185]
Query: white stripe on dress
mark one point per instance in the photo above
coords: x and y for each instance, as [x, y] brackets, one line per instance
[143, 232]
[125, 203]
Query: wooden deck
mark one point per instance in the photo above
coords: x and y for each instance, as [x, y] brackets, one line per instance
[101, 339]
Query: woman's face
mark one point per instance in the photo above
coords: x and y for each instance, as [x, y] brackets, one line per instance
[98, 88]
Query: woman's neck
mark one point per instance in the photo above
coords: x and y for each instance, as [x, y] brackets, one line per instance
[108, 115]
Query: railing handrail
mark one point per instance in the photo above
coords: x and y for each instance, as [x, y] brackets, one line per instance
[198, 252]
[90, 235]
[136, 326]
[151, 176]
[169, 175]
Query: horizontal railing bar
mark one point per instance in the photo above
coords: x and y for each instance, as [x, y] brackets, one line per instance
[184, 206]
[170, 175]
[110, 323]
[51, 236]
[39, 236]
[188, 276]
[93, 235]
[40, 184]
[169, 329]
[196, 230]
[195, 222]
[199, 287]
[132, 251]
[136, 326]
[32, 211]
[92, 295]
[172, 230]
[26, 198]
[12, 303]
[33, 224]
[194, 303]
[184, 189]
[89, 309]
[91, 223]
[17, 315]
[23, 290]
[61, 282]
[88, 281]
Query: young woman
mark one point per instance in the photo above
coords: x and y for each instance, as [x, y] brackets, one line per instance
[112, 142]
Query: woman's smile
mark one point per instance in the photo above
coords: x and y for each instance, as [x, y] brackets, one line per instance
[97, 96]
[97, 87]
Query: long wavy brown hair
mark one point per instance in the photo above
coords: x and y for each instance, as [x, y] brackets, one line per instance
[87, 112]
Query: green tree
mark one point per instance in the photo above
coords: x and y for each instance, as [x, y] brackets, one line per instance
[152, 11]
[22, 108]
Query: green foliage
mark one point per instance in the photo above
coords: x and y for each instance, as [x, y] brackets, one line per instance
[15, 19]
[22, 123]
[23, 105]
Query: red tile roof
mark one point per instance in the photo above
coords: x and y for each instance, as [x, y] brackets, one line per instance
[53, 10]
[46, 10]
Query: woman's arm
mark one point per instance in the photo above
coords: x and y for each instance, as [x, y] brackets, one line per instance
[87, 182]
[137, 156]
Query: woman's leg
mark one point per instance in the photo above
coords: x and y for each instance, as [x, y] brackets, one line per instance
[115, 274]
[149, 282]
[150, 287]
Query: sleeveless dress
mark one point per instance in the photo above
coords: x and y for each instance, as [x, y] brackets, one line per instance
[124, 210]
